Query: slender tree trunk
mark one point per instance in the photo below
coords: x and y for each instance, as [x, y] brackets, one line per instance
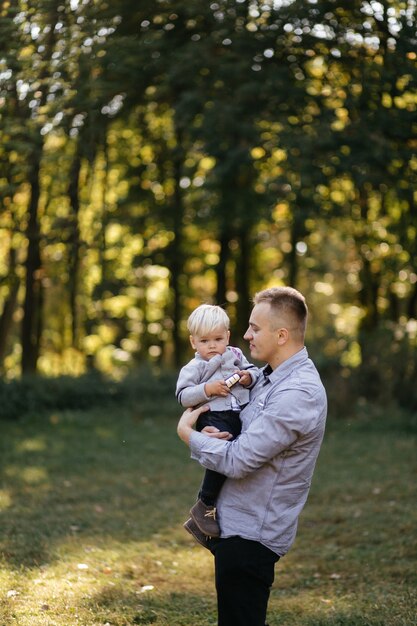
[369, 295]
[74, 255]
[292, 255]
[91, 322]
[177, 258]
[32, 308]
[32, 313]
[369, 279]
[412, 303]
[221, 269]
[242, 275]
[6, 318]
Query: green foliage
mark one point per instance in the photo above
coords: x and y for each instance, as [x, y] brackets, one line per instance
[383, 378]
[157, 155]
[34, 395]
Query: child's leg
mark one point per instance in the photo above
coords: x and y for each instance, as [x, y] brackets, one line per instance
[203, 513]
[225, 421]
[210, 487]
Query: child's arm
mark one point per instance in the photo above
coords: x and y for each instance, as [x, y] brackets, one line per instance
[192, 386]
[245, 378]
[248, 372]
[216, 388]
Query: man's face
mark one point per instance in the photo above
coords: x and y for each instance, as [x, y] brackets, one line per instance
[263, 341]
[210, 344]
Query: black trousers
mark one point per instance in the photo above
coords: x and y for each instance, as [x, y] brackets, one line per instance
[244, 572]
[224, 421]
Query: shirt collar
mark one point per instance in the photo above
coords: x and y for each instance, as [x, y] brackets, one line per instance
[285, 368]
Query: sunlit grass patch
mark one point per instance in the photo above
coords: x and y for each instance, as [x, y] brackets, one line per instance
[91, 512]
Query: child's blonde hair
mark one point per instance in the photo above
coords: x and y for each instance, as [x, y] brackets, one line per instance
[206, 318]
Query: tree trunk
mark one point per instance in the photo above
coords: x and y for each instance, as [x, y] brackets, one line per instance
[242, 274]
[412, 303]
[370, 280]
[298, 231]
[221, 269]
[32, 313]
[177, 258]
[74, 255]
[6, 318]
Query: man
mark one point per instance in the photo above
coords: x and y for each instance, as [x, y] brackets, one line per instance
[269, 467]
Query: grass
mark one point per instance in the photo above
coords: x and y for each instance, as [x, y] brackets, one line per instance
[91, 512]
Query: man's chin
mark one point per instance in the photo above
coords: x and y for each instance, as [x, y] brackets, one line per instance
[255, 354]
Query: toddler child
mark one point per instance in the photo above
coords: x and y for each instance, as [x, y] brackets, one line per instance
[219, 375]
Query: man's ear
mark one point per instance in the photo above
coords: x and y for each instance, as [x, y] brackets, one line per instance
[282, 336]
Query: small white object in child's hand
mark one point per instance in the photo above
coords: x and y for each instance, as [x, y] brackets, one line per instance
[232, 380]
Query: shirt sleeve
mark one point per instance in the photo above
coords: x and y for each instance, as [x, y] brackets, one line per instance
[274, 429]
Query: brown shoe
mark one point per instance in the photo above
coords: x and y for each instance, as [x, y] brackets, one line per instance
[191, 527]
[205, 518]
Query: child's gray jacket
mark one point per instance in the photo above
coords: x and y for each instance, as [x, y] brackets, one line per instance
[193, 376]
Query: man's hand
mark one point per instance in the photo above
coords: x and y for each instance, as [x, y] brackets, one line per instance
[212, 431]
[187, 421]
[189, 418]
[216, 388]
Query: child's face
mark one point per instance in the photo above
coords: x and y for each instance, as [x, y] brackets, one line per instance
[210, 344]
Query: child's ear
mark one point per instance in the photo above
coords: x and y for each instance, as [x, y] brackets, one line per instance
[228, 337]
[192, 342]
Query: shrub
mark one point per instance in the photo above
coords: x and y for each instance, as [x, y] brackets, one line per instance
[36, 394]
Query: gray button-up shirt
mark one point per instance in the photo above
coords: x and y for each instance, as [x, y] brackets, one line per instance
[270, 465]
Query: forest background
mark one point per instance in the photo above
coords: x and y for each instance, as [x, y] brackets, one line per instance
[159, 154]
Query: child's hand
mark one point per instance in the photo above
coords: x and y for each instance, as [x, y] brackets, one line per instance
[216, 388]
[245, 378]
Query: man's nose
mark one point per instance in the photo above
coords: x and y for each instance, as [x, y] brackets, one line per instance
[247, 335]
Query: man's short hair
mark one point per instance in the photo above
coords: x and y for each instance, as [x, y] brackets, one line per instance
[206, 318]
[287, 303]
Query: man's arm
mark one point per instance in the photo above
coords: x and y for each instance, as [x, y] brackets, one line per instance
[248, 372]
[276, 429]
[187, 421]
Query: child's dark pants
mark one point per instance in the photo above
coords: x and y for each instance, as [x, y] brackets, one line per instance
[225, 421]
